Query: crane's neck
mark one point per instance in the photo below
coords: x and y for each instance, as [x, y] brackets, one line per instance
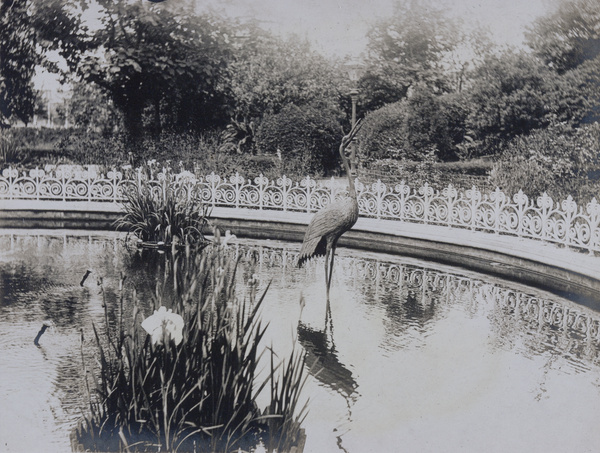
[351, 188]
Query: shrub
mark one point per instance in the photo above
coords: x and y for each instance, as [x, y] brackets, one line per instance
[90, 148]
[434, 122]
[558, 160]
[410, 128]
[226, 163]
[461, 174]
[307, 138]
[190, 384]
[36, 138]
[382, 133]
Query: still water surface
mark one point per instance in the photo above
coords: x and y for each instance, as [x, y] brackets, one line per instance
[416, 356]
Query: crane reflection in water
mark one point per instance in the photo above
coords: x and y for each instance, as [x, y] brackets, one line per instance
[322, 361]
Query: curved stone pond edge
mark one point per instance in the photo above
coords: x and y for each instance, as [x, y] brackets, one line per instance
[566, 272]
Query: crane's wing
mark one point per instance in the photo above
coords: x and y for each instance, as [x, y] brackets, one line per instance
[314, 243]
[331, 221]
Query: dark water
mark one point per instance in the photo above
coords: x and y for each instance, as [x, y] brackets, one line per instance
[415, 357]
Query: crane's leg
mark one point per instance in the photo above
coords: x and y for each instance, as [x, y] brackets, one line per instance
[328, 321]
[330, 270]
[327, 271]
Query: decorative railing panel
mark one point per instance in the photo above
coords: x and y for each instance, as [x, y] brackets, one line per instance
[565, 223]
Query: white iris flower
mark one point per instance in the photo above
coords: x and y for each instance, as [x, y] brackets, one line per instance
[164, 325]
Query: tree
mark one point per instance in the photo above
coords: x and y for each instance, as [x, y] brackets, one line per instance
[507, 99]
[569, 36]
[18, 58]
[148, 57]
[269, 73]
[405, 49]
[409, 129]
[574, 96]
[514, 94]
[90, 109]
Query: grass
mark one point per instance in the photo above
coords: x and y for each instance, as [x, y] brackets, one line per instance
[199, 394]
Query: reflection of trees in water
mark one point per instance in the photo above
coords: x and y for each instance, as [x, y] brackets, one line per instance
[34, 280]
[15, 283]
[28, 293]
[412, 296]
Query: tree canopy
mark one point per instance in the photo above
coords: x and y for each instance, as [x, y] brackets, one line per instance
[569, 36]
[407, 48]
[269, 73]
[18, 59]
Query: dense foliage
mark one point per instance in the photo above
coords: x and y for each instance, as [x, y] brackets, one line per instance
[168, 78]
[500, 96]
[559, 160]
[149, 57]
[569, 36]
[410, 128]
[405, 49]
[18, 58]
[270, 73]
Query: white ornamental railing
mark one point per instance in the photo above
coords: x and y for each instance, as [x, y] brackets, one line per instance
[565, 222]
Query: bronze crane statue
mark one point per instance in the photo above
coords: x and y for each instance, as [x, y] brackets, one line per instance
[333, 220]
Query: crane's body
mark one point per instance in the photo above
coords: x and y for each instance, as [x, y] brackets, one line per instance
[332, 221]
[327, 226]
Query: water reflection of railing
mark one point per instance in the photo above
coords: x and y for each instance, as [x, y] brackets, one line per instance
[430, 286]
[576, 325]
[543, 218]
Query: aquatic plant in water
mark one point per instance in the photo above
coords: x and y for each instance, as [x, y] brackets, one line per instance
[163, 210]
[185, 378]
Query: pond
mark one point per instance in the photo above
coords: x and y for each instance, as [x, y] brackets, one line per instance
[414, 357]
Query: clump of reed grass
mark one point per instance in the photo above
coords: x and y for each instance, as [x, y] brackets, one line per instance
[163, 210]
[10, 153]
[198, 394]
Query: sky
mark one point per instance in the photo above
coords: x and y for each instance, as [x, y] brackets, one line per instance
[339, 27]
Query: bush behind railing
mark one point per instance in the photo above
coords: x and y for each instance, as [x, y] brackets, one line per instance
[561, 222]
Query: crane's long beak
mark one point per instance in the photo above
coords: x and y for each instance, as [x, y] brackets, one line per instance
[355, 129]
